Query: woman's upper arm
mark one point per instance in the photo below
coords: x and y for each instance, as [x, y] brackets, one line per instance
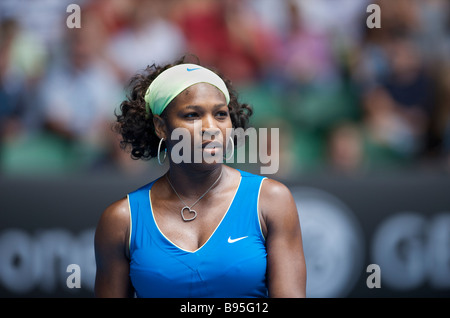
[111, 242]
[286, 269]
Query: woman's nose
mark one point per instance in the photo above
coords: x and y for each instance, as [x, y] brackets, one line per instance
[208, 122]
[209, 127]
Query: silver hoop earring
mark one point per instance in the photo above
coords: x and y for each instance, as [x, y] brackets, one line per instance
[159, 152]
[232, 150]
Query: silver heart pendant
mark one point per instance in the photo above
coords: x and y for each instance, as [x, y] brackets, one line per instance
[189, 211]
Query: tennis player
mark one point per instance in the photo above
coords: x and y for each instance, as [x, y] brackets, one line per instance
[203, 229]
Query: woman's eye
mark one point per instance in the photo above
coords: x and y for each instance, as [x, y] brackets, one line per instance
[222, 114]
[191, 115]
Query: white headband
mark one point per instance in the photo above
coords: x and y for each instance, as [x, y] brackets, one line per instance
[167, 85]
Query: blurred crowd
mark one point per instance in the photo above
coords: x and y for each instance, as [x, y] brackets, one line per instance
[347, 98]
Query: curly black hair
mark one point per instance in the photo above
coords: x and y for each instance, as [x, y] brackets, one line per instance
[136, 126]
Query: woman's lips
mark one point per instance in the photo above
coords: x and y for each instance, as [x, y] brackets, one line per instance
[211, 145]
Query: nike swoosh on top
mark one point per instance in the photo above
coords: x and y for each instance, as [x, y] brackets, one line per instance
[235, 240]
[192, 69]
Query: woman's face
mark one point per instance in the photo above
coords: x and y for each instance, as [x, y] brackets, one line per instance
[201, 111]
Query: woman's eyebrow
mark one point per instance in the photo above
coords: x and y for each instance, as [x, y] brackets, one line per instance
[195, 107]
[198, 107]
[220, 105]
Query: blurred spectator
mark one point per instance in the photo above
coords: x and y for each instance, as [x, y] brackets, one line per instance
[44, 19]
[440, 132]
[434, 32]
[410, 88]
[271, 13]
[149, 37]
[10, 85]
[22, 62]
[304, 56]
[114, 15]
[388, 132]
[346, 148]
[78, 72]
[340, 19]
[396, 81]
[80, 91]
[226, 35]
[401, 16]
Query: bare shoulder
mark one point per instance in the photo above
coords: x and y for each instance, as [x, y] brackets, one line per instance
[111, 251]
[286, 269]
[114, 222]
[277, 205]
[117, 211]
[274, 190]
[276, 199]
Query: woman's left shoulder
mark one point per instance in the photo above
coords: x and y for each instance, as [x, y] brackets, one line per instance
[275, 190]
[271, 189]
[278, 208]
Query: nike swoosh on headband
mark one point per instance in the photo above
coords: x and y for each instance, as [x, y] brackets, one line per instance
[192, 69]
[230, 240]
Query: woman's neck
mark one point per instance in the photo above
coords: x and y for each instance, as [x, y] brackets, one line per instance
[190, 182]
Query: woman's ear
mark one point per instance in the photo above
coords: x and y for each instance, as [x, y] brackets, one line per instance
[160, 127]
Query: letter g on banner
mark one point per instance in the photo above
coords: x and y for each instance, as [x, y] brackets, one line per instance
[413, 249]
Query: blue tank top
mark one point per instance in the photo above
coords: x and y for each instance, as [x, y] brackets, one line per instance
[232, 262]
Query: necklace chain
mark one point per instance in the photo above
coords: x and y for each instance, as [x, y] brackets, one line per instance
[201, 197]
